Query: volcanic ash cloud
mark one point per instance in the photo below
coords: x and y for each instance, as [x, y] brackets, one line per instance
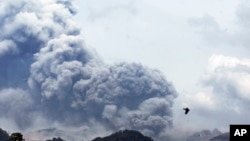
[45, 64]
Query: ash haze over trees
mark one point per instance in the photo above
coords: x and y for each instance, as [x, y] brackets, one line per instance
[49, 77]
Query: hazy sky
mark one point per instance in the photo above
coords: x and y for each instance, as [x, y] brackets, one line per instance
[202, 47]
[96, 72]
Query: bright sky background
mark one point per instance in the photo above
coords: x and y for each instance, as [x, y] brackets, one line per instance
[200, 46]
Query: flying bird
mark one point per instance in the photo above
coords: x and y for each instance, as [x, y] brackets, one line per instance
[186, 110]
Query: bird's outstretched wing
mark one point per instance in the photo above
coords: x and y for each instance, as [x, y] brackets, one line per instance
[186, 110]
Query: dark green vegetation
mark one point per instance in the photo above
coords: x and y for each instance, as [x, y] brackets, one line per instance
[125, 135]
[56, 139]
[4, 136]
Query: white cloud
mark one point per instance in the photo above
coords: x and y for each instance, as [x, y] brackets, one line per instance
[229, 76]
[224, 95]
[8, 47]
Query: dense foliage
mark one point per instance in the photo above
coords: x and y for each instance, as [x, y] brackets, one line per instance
[126, 135]
[4, 136]
[56, 139]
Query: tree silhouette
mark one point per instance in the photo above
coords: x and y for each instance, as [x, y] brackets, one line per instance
[4, 136]
[16, 137]
[125, 135]
[56, 139]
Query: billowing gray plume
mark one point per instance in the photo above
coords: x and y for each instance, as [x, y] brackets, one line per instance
[46, 70]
